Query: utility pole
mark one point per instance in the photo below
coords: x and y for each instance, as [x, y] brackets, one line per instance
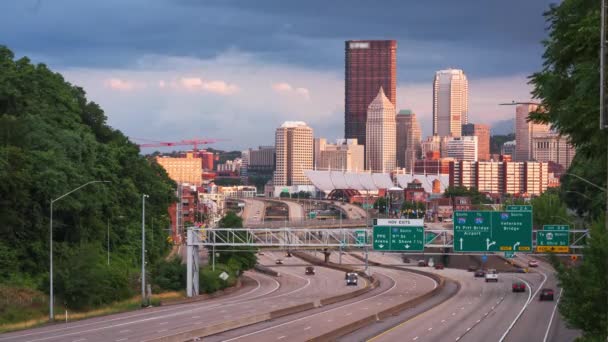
[603, 107]
[144, 300]
[108, 242]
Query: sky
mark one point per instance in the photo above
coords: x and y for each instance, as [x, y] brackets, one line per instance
[168, 70]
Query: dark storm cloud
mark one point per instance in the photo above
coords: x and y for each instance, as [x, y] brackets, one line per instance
[484, 37]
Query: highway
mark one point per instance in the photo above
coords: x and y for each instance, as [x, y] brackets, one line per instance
[395, 287]
[262, 295]
[253, 212]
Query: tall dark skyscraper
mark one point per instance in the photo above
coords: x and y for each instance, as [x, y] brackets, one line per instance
[369, 65]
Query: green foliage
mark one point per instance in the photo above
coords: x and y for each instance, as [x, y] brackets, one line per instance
[210, 281]
[461, 191]
[549, 209]
[259, 181]
[242, 258]
[231, 220]
[170, 275]
[52, 141]
[381, 205]
[302, 194]
[496, 142]
[583, 303]
[413, 209]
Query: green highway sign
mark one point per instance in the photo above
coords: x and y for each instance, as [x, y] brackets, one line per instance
[361, 237]
[553, 240]
[493, 231]
[519, 208]
[556, 227]
[398, 235]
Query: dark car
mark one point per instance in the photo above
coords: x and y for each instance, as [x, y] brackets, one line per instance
[439, 266]
[519, 287]
[310, 270]
[480, 274]
[279, 262]
[472, 268]
[351, 279]
[546, 294]
[288, 254]
[422, 263]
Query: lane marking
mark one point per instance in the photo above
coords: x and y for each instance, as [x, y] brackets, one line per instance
[468, 329]
[124, 331]
[415, 338]
[453, 314]
[552, 314]
[429, 329]
[162, 330]
[121, 339]
[80, 340]
[195, 317]
[163, 323]
[443, 321]
[348, 314]
[281, 337]
[307, 328]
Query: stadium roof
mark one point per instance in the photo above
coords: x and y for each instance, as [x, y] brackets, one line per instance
[332, 180]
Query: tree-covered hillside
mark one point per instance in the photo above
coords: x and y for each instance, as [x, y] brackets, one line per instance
[52, 140]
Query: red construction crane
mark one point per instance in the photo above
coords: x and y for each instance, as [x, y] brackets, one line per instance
[192, 142]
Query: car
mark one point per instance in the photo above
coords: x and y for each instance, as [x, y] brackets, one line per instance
[533, 263]
[288, 254]
[439, 266]
[422, 263]
[352, 279]
[546, 294]
[309, 270]
[472, 268]
[519, 286]
[491, 275]
[405, 259]
[260, 253]
[279, 262]
[480, 274]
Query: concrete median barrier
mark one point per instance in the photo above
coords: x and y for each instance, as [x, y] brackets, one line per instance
[266, 270]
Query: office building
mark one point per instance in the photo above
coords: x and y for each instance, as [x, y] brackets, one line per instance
[450, 102]
[431, 144]
[552, 147]
[508, 148]
[526, 131]
[369, 65]
[408, 139]
[482, 132]
[513, 178]
[381, 143]
[345, 155]
[261, 160]
[462, 148]
[294, 153]
[183, 170]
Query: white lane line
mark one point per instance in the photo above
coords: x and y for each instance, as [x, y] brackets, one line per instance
[163, 323]
[195, 317]
[162, 330]
[468, 329]
[443, 321]
[322, 312]
[478, 321]
[492, 308]
[429, 329]
[330, 320]
[307, 328]
[552, 314]
[530, 296]
[124, 331]
[121, 339]
[457, 338]
[281, 337]
[80, 340]
[348, 314]
[453, 314]
[462, 308]
[415, 338]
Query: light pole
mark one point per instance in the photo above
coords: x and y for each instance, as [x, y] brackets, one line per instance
[51, 292]
[143, 249]
[585, 180]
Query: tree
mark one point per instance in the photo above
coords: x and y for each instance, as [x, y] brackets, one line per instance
[381, 204]
[549, 209]
[243, 257]
[461, 191]
[413, 209]
[583, 302]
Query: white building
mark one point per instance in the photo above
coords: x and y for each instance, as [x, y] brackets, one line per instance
[408, 139]
[450, 102]
[381, 139]
[462, 148]
[345, 155]
[526, 131]
[508, 148]
[294, 153]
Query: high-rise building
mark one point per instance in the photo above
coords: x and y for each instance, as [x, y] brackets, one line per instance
[244, 170]
[508, 148]
[431, 144]
[482, 132]
[408, 139]
[462, 148]
[261, 160]
[381, 143]
[450, 102]
[525, 131]
[294, 153]
[514, 178]
[369, 65]
[345, 155]
[552, 147]
[183, 170]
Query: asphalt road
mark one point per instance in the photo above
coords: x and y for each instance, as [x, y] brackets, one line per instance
[396, 286]
[296, 211]
[265, 294]
[253, 212]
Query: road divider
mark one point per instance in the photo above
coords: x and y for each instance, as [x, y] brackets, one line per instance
[206, 296]
[250, 320]
[266, 270]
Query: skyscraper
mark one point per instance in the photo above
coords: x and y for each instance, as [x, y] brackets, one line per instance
[462, 148]
[450, 102]
[482, 132]
[369, 65]
[345, 155]
[408, 139]
[381, 144]
[294, 153]
[525, 131]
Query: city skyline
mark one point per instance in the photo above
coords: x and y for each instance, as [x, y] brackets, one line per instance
[185, 83]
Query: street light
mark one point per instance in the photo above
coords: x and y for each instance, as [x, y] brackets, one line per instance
[51, 292]
[143, 249]
[585, 180]
[576, 192]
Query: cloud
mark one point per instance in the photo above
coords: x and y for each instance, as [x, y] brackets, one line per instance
[198, 84]
[286, 88]
[220, 87]
[121, 85]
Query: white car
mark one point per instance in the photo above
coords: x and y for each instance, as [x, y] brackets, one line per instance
[491, 275]
[533, 263]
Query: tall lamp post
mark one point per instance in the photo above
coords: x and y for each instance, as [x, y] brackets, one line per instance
[51, 292]
[144, 300]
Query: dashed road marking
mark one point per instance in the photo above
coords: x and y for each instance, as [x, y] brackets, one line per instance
[162, 330]
[468, 329]
[415, 338]
[478, 321]
[493, 307]
[80, 340]
[307, 328]
[121, 339]
[429, 329]
[443, 321]
[195, 317]
[281, 337]
[453, 314]
[124, 331]
[163, 323]
[348, 314]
